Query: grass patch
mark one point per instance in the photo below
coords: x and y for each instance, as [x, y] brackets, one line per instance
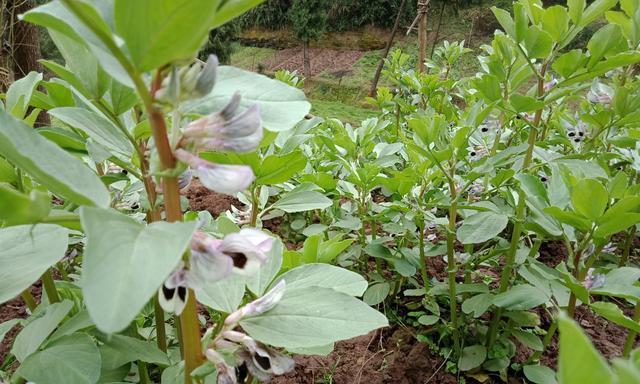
[343, 112]
[250, 58]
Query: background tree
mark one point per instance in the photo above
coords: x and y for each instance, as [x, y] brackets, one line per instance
[309, 21]
[220, 42]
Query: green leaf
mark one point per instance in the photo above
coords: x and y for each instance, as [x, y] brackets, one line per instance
[555, 21]
[313, 316]
[539, 374]
[576, 8]
[607, 41]
[569, 63]
[300, 201]
[578, 360]
[570, 218]
[54, 15]
[472, 357]
[118, 350]
[505, 20]
[615, 225]
[18, 208]
[72, 359]
[231, 9]
[259, 282]
[63, 174]
[36, 332]
[520, 297]
[7, 326]
[278, 169]
[613, 313]
[158, 32]
[89, 78]
[589, 198]
[428, 319]
[525, 103]
[19, 94]
[528, 339]
[327, 276]
[97, 127]
[481, 227]
[477, 304]
[281, 106]
[595, 10]
[26, 252]
[538, 43]
[376, 293]
[224, 295]
[125, 263]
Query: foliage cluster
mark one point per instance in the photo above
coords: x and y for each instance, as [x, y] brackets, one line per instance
[474, 172]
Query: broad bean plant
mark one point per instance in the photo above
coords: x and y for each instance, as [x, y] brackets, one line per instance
[144, 290]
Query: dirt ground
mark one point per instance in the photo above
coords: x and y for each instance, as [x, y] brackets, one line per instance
[337, 62]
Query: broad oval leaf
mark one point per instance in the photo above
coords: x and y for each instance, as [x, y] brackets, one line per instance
[576, 353]
[72, 359]
[158, 32]
[325, 275]
[125, 263]
[481, 227]
[313, 316]
[299, 201]
[224, 295]
[36, 332]
[281, 106]
[64, 174]
[26, 252]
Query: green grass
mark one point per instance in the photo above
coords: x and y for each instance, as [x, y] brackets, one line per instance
[250, 57]
[341, 111]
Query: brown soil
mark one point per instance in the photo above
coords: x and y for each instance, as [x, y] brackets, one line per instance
[381, 357]
[202, 199]
[337, 62]
[14, 309]
[552, 253]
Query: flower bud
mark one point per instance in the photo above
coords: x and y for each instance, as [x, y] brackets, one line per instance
[207, 78]
[260, 305]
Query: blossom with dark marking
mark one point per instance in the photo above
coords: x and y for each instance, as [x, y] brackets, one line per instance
[174, 292]
[261, 361]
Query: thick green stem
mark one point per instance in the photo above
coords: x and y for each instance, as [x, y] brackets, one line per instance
[144, 373]
[624, 258]
[521, 211]
[29, 300]
[631, 337]
[254, 207]
[545, 342]
[161, 332]
[423, 258]
[50, 287]
[451, 267]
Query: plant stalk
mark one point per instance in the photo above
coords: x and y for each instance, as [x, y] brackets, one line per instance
[29, 300]
[631, 337]
[50, 287]
[451, 266]
[521, 211]
[423, 258]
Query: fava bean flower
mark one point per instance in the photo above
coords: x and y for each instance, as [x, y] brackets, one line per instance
[222, 178]
[600, 94]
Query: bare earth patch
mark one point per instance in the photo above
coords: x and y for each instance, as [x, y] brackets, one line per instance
[336, 62]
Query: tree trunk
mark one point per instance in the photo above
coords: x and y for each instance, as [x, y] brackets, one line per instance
[435, 39]
[422, 34]
[376, 77]
[26, 46]
[306, 60]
